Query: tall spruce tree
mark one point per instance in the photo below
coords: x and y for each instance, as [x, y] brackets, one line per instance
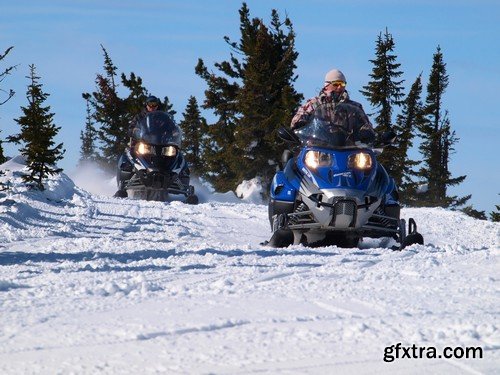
[219, 142]
[37, 135]
[193, 127]
[437, 142]
[407, 123]
[88, 137]
[110, 112]
[253, 98]
[8, 94]
[385, 91]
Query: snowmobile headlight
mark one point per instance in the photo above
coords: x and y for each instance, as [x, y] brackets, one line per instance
[315, 159]
[360, 160]
[143, 148]
[169, 151]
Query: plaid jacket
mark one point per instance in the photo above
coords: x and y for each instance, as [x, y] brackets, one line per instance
[357, 121]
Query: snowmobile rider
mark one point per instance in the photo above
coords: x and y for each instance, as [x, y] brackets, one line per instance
[152, 104]
[332, 94]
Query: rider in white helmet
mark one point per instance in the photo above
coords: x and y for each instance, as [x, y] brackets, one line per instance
[333, 93]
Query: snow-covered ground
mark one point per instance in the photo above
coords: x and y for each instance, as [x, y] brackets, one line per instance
[94, 284]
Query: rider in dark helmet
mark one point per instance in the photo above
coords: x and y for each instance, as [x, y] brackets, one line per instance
[152, 104]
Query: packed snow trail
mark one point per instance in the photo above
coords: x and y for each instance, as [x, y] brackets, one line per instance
[94, 284]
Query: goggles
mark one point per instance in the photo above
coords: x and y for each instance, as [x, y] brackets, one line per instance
[152, 104]
[336, 83]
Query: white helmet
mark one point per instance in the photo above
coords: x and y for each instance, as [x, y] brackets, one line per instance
[335, 75]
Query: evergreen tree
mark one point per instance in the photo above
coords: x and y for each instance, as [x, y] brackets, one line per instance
[134, 103]
[88, 137]
[219, 144]
[110, 112]
[193, 126]
[411, 117]
[437, 142]
[385, 91]
[168, 107]
[3, 159]
[470, 211]
[113, 114]
[3, 74]
[495, 216]
[253, 98]
[9, 94]
[37, 134]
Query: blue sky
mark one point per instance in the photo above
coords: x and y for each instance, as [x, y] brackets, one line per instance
[162, 40]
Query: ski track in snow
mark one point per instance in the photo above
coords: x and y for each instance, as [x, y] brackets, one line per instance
[94, 284]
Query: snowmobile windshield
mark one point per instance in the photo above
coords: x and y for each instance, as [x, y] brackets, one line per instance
[157, 128]
[331, 126]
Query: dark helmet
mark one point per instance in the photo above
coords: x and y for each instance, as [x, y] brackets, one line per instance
[152, 100]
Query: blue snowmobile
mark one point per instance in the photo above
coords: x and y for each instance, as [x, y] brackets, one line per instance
[333, 192]
[152, 167]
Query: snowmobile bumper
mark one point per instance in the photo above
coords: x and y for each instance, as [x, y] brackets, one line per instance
[343, 220]
[171, 183]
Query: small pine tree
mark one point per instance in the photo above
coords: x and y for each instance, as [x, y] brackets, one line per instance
[168, 107]
[495, 216]
[37, 134]
[3, 159]
[193, 127]
[385, 91]
[88, 137]
[9, 94]
[437, 142]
